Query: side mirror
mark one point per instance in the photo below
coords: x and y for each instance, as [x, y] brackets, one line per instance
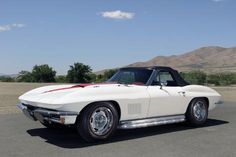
[163, 84]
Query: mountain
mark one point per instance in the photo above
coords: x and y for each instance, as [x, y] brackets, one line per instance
[9, 75]
[209, 59]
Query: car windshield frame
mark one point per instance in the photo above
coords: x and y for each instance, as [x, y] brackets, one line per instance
[146, 73]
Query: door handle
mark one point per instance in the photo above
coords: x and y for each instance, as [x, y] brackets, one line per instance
[182, 93]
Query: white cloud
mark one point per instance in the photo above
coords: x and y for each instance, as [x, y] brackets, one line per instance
[19, 25]
[4, 28]
[118, 15]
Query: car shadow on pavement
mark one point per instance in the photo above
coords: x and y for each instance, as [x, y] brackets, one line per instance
[69, 138]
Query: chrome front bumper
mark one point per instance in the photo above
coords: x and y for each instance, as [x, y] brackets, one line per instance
[42, 114]
[219, 103]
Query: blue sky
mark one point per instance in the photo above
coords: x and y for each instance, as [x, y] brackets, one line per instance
[108, 33]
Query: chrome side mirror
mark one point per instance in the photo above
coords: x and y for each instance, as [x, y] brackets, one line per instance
[163, 84]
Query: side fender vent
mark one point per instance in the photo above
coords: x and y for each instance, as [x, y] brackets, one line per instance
[134, 108]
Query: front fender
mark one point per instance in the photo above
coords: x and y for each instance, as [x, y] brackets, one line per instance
[194, 91]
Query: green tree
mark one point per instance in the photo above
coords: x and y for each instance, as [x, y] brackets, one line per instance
[6, 79]
[99, 78]
[226, 78]
[109, 73]
[24, 76]
[79, 73]
[61, 79]
[222, 79]
[214, 79]
[93, 77]
[106, 75]
[43, 73]
[195, 77]
[234, 78]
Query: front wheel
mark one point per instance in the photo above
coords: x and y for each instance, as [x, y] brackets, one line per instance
[197, 112]
[98, 121]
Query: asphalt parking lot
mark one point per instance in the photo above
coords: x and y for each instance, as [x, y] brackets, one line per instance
[20, 136]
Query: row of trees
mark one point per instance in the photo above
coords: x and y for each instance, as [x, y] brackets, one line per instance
[217, 79]
[40, 73]
[81, 73]
[77, 73]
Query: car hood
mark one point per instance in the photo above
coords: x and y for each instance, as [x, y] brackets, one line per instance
[57, 95]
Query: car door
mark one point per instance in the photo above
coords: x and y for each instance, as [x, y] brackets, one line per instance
[166, 96]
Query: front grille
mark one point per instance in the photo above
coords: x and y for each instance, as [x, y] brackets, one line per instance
[32, 108]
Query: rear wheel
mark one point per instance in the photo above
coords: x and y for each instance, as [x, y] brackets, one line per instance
[197, 111]
[98, 121]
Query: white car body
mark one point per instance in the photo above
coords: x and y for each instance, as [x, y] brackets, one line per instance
[134, 101]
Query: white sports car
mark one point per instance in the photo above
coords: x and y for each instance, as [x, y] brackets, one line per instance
[132, 98]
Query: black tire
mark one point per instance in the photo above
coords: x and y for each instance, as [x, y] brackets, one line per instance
[89, 117]
[192, 115]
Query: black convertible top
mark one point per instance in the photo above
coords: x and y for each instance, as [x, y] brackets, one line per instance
[179, 80]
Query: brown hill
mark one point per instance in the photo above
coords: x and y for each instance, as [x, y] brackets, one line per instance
[210, 59]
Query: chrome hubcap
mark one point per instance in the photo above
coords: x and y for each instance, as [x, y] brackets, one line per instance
[101, 121]
[199, 111]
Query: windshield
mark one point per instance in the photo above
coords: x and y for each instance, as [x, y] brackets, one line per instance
[131, 76]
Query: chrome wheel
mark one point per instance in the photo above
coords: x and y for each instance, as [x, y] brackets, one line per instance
[101, 121]
[199, 110]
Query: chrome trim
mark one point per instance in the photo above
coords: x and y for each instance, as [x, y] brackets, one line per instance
[151, 78]
[52, 120]
[219, 102]
[48, 115]
[20, 106]
[59, 113]
[101, 121]
[199, 110]
[140, 123]
[26, 112]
